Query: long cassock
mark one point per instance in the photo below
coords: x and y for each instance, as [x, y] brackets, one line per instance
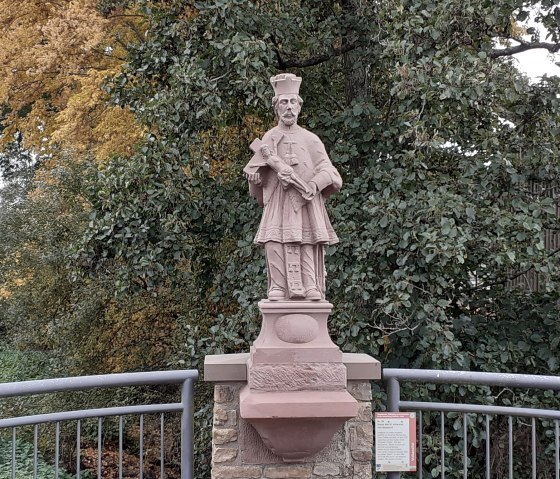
[290, 220]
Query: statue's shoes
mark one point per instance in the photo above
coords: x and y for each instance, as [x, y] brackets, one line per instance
[313, 294]
[276, 294]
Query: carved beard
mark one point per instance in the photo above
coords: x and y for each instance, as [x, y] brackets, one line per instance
[289, 119]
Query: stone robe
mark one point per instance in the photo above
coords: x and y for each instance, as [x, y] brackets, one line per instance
[287, 217]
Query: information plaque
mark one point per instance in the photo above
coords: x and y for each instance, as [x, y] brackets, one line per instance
[395, 441]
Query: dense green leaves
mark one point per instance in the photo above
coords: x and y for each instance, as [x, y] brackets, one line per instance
[26, 461]
[449, 156]
[447, 152]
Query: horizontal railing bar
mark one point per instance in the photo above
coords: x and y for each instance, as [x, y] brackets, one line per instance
[476, 378]
[43, 386]
[89, 413]
[479, 409]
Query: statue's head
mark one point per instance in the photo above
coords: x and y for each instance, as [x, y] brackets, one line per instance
[286, 101]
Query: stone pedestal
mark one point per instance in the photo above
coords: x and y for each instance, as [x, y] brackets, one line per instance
[296, 397]
[295, 407]
[294, 333]
[238, 451]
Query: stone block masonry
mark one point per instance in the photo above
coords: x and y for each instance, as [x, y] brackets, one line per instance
[239, 453]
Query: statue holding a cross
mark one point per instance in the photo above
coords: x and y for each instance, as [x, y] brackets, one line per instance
[291, 176]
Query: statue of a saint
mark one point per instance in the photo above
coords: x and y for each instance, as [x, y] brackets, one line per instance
[291, 176]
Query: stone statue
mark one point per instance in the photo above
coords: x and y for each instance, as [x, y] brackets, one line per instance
[291, 176]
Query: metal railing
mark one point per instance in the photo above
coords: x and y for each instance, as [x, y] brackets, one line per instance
[393, 378]
[26, 388]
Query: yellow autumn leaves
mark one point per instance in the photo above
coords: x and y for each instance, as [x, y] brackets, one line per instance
[53, 58]
[17, 278]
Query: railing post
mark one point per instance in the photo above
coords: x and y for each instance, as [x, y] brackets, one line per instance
[187, 431]
[393, 402]
[393, 395]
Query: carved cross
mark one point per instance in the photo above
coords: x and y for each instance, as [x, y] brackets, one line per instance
[290, 158]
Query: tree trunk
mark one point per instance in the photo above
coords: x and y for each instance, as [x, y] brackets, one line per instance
[356, 83]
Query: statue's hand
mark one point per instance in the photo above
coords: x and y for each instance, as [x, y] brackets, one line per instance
[285, 176]
[312, 193]
[254, 178]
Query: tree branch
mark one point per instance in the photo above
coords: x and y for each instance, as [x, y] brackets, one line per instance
[285, 63]
[135, 30]
[514, 277]
[523, 47]
[31, 72]
[126, 15]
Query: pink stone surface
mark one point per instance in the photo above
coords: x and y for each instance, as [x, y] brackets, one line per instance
[343, 451]
[297, 404]
[296, 328]
[297, 377]
[254, 451]
[291, 176]
[296, 397]
[252, 448]
[294, 440]
[281, 355]
[233, 367]
[296, 424]
[303, 307]
[282, 316]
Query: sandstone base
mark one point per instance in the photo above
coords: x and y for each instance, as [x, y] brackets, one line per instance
[239, 453]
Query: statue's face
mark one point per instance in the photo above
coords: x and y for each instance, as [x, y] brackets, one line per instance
[288, 109]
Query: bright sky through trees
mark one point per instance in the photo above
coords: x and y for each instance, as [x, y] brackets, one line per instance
[536, 63]
[539, 62]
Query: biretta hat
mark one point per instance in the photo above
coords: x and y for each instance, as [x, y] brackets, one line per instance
[286, 84]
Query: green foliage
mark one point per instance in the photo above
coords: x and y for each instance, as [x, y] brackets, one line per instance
[448, 154]
[16, 163]
[25, 462]
[18, 366]
[436, 213]
[438, 138]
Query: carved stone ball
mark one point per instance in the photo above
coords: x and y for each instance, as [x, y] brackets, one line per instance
[296, 328]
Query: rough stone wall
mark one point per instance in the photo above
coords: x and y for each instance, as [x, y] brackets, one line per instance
[239, 453]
